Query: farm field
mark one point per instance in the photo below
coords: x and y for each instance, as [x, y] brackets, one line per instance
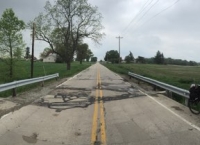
[180, 76]
[22, 71]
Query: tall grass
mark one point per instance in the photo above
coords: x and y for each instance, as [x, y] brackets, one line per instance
[22, 70]
[180, 76]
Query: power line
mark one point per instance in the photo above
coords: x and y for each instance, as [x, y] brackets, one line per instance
[146, 11]
[141, 10]
[159, 13]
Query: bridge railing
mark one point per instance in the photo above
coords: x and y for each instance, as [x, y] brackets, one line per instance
[16, 84]
[170, 88]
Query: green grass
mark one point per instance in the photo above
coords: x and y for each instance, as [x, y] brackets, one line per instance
[180, 76]
[22, 71]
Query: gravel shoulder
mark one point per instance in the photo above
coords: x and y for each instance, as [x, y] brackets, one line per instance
[10, 104]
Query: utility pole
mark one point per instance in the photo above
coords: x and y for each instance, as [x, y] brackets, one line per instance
[119, 46]
[32, 59]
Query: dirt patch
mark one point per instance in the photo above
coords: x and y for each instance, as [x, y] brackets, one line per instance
[97, 143]
[177, 108]
[138, 84]
[1, 101]
[125, 79]
[77, 134]
[30, 139]
[55, 115]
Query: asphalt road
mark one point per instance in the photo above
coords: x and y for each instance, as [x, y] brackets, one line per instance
[98, 107]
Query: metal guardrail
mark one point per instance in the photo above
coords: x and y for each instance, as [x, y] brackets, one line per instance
[176, 90]
[20, 83]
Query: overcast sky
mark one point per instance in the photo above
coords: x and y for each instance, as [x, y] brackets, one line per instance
[145, 25]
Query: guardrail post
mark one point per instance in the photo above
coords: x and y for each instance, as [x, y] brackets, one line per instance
[14, 92]
[42, 84]
[57, 76]
[186, 101]
[169, 94]
[155, 88]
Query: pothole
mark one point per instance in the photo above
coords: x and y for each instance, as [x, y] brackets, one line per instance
[77, 134]
[30, 139]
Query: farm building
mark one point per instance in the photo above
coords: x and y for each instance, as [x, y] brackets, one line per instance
[50, 58]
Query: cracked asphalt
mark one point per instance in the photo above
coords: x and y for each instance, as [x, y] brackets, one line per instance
[98, 107]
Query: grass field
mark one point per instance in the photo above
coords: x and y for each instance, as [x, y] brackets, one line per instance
[22, 71]
[180, 76]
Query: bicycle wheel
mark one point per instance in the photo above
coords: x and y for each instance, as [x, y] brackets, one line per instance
[194, 106]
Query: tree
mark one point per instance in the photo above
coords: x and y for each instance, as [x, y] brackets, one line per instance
[129, 58]
[27, 53]
[45, 52]
[149, 60]
[18, 53]
[140, 59]
[89, 54]
[159, 58]
[74, 19]
[58, 40]
[94, 59]
[112, 56]
[11, 41]
[82, 52]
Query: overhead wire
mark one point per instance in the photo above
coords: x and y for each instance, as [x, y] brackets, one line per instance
[141, 10]
[158, 13]
[146, 12]
[162, 11]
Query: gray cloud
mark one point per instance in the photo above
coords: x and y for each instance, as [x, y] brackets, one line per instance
[24, 9]
[175, 32]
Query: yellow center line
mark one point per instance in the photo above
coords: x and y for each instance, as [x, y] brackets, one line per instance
[99, 93]
[95, 118]
[102, 119]
[99, 80]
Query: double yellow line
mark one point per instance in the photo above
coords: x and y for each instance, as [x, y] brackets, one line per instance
[98, 105]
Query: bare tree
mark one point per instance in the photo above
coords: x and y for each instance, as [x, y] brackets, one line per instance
[76, 18]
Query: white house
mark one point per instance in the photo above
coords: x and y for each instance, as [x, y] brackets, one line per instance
[50, 58]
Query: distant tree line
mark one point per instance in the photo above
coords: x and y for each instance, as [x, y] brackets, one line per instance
[159, 59]
[113, 57]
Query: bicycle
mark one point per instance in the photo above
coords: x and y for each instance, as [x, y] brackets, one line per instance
[194, 100]
[194, 105]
